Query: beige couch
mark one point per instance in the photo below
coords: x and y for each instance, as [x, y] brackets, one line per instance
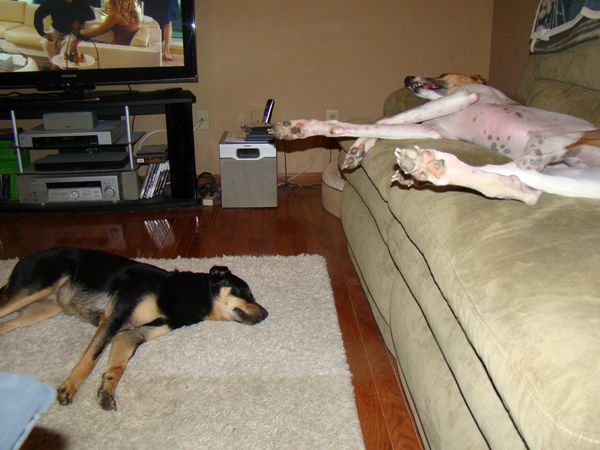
[491, 307]
[16, 27]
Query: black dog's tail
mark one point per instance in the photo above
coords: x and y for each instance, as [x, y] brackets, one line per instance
[3, 295]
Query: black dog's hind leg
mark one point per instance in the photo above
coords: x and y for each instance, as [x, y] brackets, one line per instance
[14, 298]
[123, 347]
[35, 312]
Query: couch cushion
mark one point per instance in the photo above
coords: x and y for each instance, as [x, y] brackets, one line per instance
[565, 98]
[579, 65]
[369, 245]
[470, 376]
[4, 26]
[24, 36]
[520, 280]
[11, 11]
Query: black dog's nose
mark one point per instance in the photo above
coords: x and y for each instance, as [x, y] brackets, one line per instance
[264, 313]
[408, 80]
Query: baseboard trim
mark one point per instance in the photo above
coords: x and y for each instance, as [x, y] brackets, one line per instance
[304, 179]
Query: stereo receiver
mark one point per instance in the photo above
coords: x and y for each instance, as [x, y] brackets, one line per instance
[79, 187]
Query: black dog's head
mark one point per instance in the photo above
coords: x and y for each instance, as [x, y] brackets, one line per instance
[233, 299]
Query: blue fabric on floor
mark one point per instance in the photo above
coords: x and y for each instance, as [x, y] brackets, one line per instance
[23, 400]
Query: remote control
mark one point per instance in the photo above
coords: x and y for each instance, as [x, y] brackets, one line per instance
[167, 91]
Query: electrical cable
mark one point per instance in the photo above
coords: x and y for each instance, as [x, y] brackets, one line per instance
[147, 135]
[164, 130]
[307, 167]
[286, 182]
[66, 53]
[93, 41]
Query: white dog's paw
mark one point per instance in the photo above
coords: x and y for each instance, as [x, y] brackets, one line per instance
[354, 157]
[289, 130]
[422, 164]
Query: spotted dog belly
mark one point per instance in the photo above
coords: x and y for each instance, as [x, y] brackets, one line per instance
[495, 127]
[505, 128]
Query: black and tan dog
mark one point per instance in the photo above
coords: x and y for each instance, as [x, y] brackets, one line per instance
[130, 303]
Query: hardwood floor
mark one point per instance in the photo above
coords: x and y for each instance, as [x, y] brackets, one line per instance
[298, 225]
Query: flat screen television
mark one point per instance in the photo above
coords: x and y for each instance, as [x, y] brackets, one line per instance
[98, 61]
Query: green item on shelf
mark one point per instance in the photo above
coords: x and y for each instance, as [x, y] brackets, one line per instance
[9, 166]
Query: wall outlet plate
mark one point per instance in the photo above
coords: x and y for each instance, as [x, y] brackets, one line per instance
[203, 119]
[332, 114]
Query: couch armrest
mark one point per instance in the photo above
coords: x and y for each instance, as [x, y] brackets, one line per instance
[141, 38]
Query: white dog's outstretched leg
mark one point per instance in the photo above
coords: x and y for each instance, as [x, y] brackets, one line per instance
[434, 109]
[400, 126]
[368, 134]
[301, 128]
[444, 169]
[430, 110]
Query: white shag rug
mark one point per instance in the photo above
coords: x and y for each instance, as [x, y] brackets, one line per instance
[281, 384]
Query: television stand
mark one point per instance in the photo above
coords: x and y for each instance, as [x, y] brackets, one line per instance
[177, 109]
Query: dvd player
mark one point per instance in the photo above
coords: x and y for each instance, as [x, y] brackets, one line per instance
[82, 161]
[106, 132]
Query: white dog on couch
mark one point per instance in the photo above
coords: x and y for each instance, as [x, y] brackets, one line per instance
[551, 152]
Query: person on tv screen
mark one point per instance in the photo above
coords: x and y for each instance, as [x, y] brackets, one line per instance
[67, 17]
[164, 12]
[123, 19]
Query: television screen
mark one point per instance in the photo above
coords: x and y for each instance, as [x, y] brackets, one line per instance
[78, 44]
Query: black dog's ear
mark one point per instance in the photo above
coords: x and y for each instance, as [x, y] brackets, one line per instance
[219, 271]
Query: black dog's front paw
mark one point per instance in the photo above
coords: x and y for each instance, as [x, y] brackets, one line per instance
[63, 398]
[65, 393]
[107, 400]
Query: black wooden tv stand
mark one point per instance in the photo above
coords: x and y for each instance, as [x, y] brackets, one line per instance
[175, 104]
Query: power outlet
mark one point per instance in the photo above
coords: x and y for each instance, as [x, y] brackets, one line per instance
[203, 119]
[332, 114]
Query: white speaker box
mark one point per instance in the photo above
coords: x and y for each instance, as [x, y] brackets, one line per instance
[248, 174]
[79, 120]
